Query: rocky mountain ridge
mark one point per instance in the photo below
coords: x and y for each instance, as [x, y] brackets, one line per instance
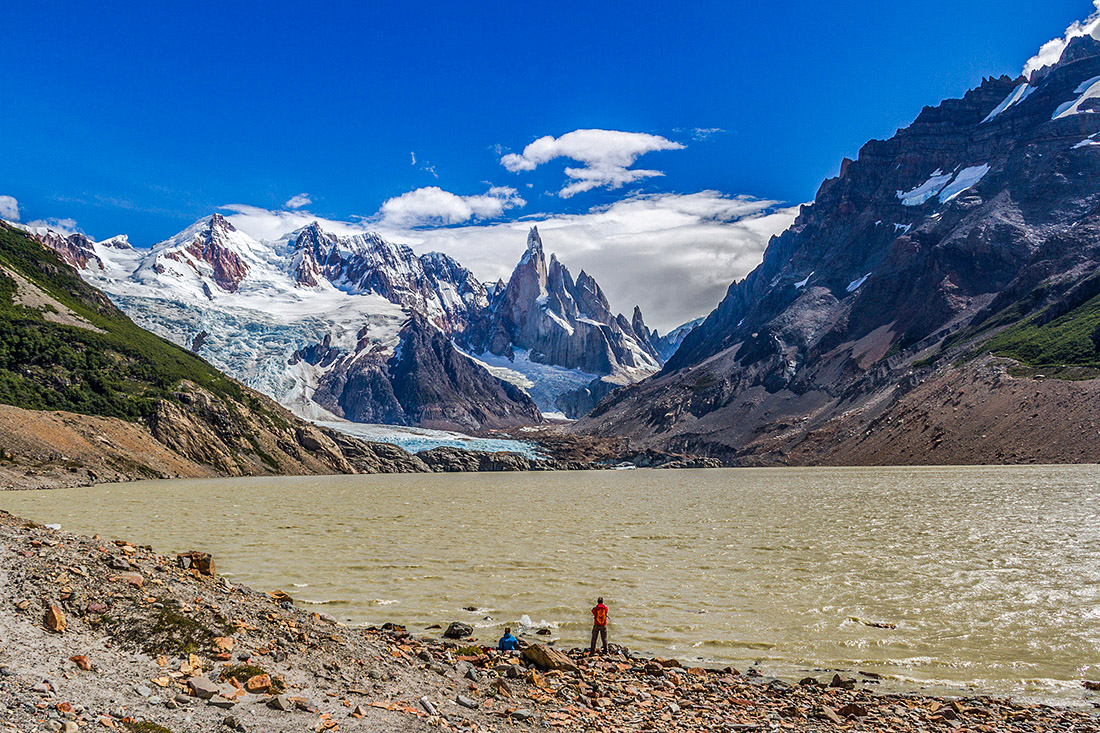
[969, 230]
[86, 396]
[358, 328]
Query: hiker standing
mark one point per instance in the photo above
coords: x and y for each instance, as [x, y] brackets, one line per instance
[599, 625]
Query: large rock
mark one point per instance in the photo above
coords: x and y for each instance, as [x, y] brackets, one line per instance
[546, 658]
[203, 562]
[458, 630]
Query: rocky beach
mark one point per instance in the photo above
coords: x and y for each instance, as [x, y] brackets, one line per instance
[100, 634]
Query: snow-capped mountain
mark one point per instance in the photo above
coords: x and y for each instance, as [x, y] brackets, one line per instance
[560, 335]
[358, 328]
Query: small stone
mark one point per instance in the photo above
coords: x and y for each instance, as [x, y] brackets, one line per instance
[1089, 685]
[118, 563]
[82, 662]
[466, 702]
[70, 727]
[6, 672]
[55, 620]
[143, 691]
[222, 702]
[280, 702]
[202, 688]
[852, 710]
[258, 684]
[829, 714]
[134, 579]
[429, 708]
[523, 714]
[844, 683]
[458, 630]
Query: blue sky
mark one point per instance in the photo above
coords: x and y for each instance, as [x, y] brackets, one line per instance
[142, 117]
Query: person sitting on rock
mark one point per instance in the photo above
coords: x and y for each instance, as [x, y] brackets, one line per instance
[508, 643]
[599, 625]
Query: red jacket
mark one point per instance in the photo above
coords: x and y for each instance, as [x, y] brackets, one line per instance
[599, 615]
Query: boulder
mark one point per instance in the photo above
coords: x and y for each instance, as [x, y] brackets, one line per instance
[546, 658]
[458, 630]
[200, 561]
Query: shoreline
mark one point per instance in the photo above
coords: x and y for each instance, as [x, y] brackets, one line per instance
[156, 637]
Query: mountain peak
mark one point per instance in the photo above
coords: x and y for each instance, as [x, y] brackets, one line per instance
[534, 241]
[217, 221]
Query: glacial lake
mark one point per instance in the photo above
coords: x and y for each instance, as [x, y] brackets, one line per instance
[983, 579]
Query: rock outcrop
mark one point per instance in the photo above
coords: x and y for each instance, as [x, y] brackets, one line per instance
[978, 219]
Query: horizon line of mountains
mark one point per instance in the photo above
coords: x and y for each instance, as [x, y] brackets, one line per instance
[358, 328]
[914, 312]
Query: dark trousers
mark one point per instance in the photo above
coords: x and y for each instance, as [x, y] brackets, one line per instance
[599, 631]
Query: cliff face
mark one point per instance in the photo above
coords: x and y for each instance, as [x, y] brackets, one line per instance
[422, 381]
[969, 229]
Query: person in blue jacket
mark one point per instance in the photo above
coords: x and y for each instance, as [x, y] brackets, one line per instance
[508, 643]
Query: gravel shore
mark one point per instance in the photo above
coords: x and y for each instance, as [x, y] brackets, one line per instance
[100, 635]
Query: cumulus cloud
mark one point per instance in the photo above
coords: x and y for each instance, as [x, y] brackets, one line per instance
[1051, 51]
[9, 208]
[432, 206]
[694, 245]
[64, 227]
[265, 224]
[606, 156]
[299, 201]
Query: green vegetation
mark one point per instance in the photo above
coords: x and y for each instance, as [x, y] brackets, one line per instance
[170, 631]
[145, 726]
[122, 372]
[1070, 340]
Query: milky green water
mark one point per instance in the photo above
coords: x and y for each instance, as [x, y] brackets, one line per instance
[991, 575]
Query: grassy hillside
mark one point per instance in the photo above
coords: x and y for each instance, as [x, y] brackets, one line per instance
[1070, 340]
[121, 371]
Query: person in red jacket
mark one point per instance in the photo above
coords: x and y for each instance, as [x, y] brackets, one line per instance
[599, 625]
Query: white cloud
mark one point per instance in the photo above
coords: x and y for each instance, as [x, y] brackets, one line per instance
[264, 224]
[64, 227]
[1051, 51]
[433, 206]
[691, 245]
[9, 208]
[299, 201]
[606, 154]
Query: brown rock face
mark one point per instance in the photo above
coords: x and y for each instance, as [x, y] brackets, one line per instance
[55, 620]
[209, 246]
[920, 251]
